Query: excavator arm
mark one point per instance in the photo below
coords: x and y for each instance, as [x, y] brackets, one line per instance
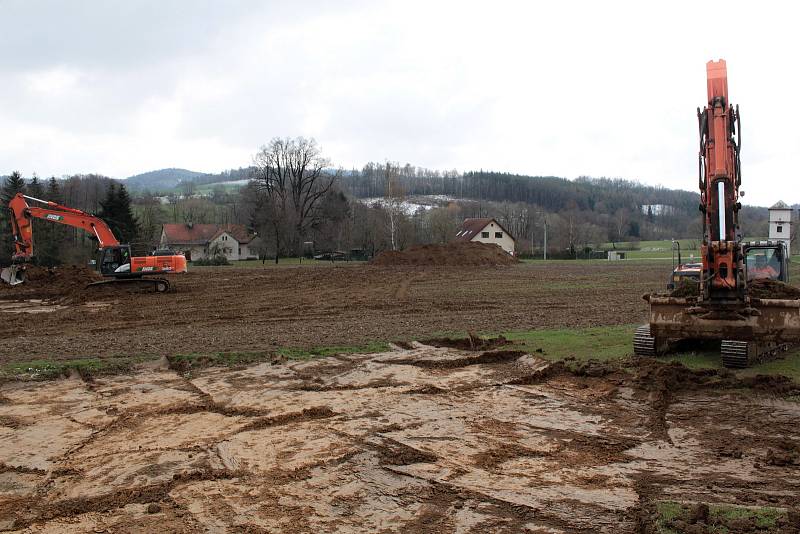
[22, 215]
[720, 178]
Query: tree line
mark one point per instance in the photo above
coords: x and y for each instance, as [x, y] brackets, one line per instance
[55, 244]
[295, 201]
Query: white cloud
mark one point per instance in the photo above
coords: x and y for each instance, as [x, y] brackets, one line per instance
[568, 88]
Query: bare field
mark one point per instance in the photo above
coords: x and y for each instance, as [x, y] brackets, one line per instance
[231, 309]
[420, 439]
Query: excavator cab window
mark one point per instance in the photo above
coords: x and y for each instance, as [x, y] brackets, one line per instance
[114, 260]
[765, 262]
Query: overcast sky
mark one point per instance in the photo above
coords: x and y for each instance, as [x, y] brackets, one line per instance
[543, 88]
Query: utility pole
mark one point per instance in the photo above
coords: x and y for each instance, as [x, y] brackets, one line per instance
[545, 237]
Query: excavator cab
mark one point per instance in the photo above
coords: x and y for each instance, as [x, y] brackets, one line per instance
[682, 271]
[115, 260]
[765, 259]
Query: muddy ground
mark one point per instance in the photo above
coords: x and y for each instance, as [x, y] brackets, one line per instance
[422, 439]
[233, 309]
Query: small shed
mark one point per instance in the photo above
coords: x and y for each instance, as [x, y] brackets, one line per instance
[614, 255]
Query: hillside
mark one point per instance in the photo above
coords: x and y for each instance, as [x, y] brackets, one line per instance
[168, 180]
[162, 179]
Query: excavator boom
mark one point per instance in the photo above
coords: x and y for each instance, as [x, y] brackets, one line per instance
[720, 178]
[23, 215]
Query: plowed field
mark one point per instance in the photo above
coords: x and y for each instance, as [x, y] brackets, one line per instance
[420, 438]
[232, 309]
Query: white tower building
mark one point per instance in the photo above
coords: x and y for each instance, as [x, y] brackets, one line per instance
[780, 224]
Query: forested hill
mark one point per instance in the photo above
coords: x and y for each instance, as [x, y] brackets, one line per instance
[552, 193]
[162, 179]
[166, 180]
[549, 192]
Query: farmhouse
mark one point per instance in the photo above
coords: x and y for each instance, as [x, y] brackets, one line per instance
[200, 241]
[486, 230]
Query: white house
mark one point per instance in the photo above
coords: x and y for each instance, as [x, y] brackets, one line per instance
[780, 224]
[200, 241]
[486, 230]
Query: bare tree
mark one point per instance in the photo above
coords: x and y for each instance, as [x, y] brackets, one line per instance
[293, 176]
[443, 223]
[394, 198]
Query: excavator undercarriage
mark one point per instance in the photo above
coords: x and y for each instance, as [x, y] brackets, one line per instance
[745, 336]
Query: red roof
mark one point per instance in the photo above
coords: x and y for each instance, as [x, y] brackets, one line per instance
[473, 227]
[200, 234]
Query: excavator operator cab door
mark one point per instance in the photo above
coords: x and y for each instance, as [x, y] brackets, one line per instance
[766, 261]
[115, 261]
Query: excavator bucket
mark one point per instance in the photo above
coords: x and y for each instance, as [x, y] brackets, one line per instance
[13, 275]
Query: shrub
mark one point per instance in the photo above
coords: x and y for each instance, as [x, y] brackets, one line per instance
[213, 260]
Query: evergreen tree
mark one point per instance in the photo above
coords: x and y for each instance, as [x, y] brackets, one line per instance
[50, 236]
[116, 211]
[13, 184]
[35, 188]
[53, 191]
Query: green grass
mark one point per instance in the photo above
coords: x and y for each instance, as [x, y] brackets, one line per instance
[303, 354]
[786, 364]
[616, 343]
[601, 343]
[207, 359]
[49, 369]
[87, 367]
[718, 516]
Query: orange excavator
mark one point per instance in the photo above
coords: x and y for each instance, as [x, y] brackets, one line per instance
[115, 260]
[725, 310]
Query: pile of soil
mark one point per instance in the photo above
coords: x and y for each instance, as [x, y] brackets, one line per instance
[471, 342]
[62, 282]
[686, 288]
[772, 289]
[762, 288]
[452, 254]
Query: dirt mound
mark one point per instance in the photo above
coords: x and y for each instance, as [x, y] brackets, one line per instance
[51, 282]
[686, 288]
[772, 289]
[760, 289]
[451, 254]
[471, 342]
[60, 278]
[491, 357]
